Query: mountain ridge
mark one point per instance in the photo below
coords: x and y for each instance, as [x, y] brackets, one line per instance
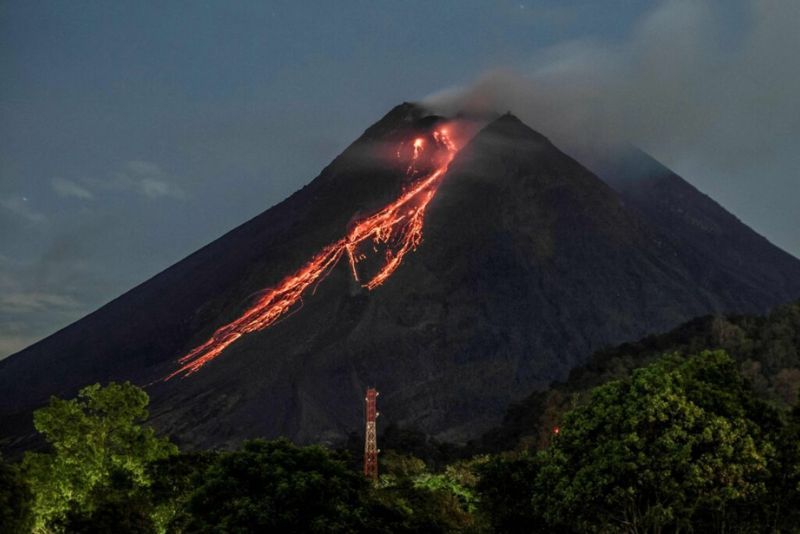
[528, 263]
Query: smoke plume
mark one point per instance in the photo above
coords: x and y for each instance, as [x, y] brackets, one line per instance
[679, 85]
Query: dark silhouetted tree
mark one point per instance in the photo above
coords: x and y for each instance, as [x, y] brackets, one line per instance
[276, 486]
[16, 500]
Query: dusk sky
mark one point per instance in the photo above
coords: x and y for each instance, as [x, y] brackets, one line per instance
[133, 133]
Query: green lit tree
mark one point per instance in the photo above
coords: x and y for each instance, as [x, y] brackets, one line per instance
[409, 498]
[99, 454]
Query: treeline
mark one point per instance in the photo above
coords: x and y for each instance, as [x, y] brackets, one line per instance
[766, 350]
[683, 444]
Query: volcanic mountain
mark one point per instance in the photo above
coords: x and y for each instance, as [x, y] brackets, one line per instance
[454, 272]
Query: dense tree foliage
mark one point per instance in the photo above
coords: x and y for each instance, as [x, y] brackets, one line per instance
[98, 452]
[683, 444]
[120, 504]
[671, 447]
[277, 487]
[784, 502]
[16, 500]
[506, 486]
[174, 480]
[410, 498]
[766, 350]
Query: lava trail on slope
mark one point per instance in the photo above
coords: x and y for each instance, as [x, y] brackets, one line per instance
[396, 230]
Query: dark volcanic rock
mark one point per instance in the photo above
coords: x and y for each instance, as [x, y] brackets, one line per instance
[529, 263]
[722, 252]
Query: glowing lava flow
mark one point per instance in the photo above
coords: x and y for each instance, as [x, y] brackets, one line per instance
[398, 227]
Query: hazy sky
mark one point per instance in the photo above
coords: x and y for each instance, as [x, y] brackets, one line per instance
[132, 133]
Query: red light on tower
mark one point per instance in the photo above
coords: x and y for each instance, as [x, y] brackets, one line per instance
[370, 436]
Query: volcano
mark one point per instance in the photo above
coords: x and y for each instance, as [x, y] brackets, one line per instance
[454, 268]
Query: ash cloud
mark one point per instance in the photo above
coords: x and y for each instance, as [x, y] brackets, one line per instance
[678, 85]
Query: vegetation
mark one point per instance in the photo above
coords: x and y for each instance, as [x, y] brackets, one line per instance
[766, 350]
[412, 499]
[682, 444]
[660, 436]
[16, 499]
[99, 455]
[276, 487]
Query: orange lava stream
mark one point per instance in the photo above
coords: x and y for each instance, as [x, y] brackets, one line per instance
[398, 227]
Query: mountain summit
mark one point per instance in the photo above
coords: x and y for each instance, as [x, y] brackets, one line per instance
[503, 272]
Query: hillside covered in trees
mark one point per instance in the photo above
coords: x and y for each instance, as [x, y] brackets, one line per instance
[765, 348]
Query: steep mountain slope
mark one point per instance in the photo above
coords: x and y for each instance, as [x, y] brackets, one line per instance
[159, 320]
[722, 251]
[529, 262]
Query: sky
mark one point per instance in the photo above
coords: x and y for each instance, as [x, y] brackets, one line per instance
[133, 133]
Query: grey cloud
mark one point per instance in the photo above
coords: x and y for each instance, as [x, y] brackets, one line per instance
[11, 342]
[147, 179]
[20, 291]
[28, 311]
[68, 188]
[26, 302]
[141, 177]
[20, 207]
